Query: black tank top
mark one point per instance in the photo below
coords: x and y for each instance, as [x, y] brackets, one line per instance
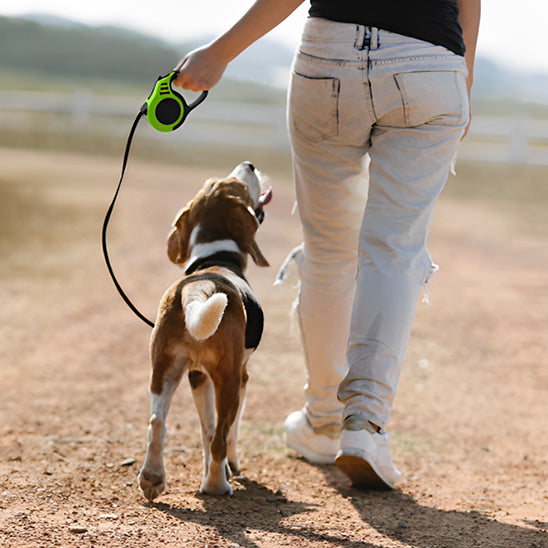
[435, 21]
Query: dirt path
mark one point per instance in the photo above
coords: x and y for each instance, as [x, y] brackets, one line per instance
[469, 427]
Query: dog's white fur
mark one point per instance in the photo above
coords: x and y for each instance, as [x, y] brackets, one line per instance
[201, 327]
[202, 318]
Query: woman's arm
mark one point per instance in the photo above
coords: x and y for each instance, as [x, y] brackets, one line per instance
[202, 68]
[469, 19]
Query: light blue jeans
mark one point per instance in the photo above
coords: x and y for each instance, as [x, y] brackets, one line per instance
[375, 119]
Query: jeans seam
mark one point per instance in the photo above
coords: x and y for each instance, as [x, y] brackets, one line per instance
[405, 103]
[413, 59]
[334, 61]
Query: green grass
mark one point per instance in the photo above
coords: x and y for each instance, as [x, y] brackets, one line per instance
[262, 438]
[519, 192]
[508, 108]
[227, 90]
[104, 136]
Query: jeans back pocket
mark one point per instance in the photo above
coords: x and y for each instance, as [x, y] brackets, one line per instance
[314, 107]
[427, 95]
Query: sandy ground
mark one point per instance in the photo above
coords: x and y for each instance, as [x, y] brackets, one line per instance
[469, 429]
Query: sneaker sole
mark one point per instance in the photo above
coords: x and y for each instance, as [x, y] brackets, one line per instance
[360, 472]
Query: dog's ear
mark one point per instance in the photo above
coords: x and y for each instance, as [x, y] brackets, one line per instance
[244, 225]
[178, 238]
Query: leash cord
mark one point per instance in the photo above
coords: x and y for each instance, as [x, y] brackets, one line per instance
[107, 219]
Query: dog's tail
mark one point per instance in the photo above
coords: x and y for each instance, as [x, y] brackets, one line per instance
[203, 313]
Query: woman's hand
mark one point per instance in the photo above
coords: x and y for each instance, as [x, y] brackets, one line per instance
[201, 69]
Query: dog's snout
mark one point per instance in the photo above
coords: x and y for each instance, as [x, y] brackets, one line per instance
[251, 176]
[244, 170]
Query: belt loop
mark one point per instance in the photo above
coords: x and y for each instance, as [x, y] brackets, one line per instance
[360, 32]
[374, 42]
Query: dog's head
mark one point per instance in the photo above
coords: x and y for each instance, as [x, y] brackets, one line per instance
[223, 216]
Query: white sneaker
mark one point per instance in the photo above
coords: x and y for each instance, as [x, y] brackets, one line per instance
[315, 448]
[366, 459]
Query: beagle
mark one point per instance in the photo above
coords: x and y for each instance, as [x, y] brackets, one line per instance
[208, 324]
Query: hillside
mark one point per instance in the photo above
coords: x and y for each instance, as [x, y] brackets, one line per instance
[41, 52]
[81, 51]
[59, 48]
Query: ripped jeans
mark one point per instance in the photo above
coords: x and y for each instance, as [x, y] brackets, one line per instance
[375, 119]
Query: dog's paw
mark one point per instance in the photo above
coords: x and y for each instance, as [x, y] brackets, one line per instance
[152, 483]
[217, 488]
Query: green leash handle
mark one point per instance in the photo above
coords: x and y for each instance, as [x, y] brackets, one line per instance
[165, 108]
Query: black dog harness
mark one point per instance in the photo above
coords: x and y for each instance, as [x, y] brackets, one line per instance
[233, 262]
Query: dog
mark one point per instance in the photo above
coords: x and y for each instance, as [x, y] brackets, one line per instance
[208, 324]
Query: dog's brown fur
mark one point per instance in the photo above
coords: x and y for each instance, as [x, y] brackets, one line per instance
[209, 340]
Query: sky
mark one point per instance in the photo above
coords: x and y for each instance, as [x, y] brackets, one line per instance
[510, 35]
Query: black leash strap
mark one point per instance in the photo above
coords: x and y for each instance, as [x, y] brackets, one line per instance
[107, 219]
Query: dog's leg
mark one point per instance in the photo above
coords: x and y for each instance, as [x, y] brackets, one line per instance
[152, 477]
[227, 403]
[232, 450]
[204, 399]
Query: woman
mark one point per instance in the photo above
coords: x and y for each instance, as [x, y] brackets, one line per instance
[390, 80]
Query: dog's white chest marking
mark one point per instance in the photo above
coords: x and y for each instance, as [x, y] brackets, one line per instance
[207, 249]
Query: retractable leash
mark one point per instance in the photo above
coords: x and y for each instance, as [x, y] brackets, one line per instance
[165, 110]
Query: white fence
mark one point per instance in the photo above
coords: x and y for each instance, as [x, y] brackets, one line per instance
[511, 139]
